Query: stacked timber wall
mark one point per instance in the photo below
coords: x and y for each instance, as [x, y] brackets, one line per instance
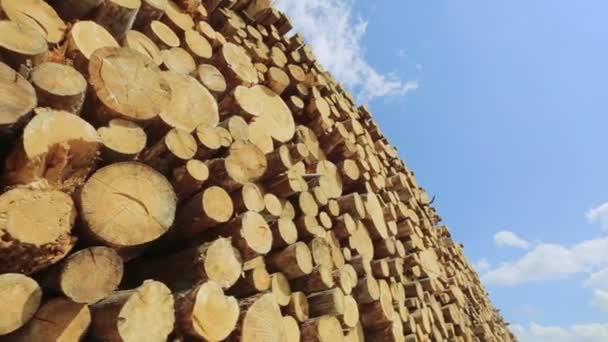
[187, 171]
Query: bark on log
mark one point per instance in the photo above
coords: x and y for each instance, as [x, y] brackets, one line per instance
[209, 208]
[117, 16]
[294, 261]
[256, 280]
[188, 179]
[13, 50]
[122, 141]
[71, 10]
[217, 261]
[149, 11]
[67, 95]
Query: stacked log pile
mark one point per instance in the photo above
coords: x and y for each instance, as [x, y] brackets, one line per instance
[187, 171]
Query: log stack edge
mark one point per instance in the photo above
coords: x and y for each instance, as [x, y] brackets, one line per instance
[187, 171]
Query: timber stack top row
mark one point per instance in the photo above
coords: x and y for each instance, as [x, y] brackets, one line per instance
[186, 171]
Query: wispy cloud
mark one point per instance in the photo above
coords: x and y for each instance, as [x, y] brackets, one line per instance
[599, 215]
[510, 239]
[336, 35]
[593, 332]
[482, 265]
[600, 299]
[551, 261]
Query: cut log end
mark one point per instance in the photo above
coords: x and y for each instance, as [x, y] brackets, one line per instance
[21, 296]
[138, 200]
[25, 247]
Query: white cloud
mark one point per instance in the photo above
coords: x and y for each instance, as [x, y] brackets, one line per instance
[600, 299]
[593, 332]
[599, 215]
[598, 280]
[337, 40]
[510, 239]
[550, 262]
[482, 265]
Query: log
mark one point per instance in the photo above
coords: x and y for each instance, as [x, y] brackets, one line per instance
[59, 319]
[174, 149]
[330, 302]
[253, 281]
[215, 261]
[249, 198]
[235, 65]
[38, 15]
[141, 43]
[279, 286]
[262, 104]
[204, 312]
[237, 126]
[67, 95]
[209, 208]
[72, 10]
[122, 141]
[114, 69]
[86, 276]
[191, 104]
[138, 200]
[161, 34]
[320, 279]
[250, 233]
[57, 147]
[245, 163]
[189, 178]
[350, 317]
[12, 49]
[298, 307]
[21, 296]
[260, 320]
[80, 46]
[284, 232]
[149, 11]
[212, 79]
[322, 329]
[178, 61]
[117, 16]
[38, 233]
[294, 261]
[142, 314]
[197, 45]
[292, 329]
[176, 19]
[17, 101]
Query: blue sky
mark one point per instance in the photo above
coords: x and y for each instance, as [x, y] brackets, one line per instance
[501, 110]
